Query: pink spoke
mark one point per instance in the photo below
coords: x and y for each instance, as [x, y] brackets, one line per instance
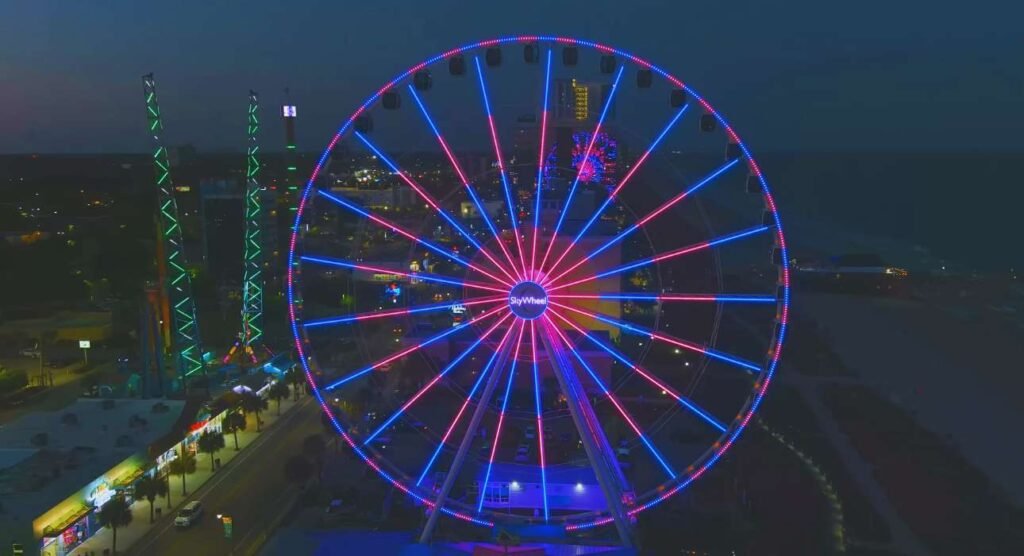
[501, 415]
[540, 171]
[643, 221]
[579, 171]
[408, 235]
[414, 275]
[611, 397]
[622, 183]
[437, 378]
[513, 217]
[647, 376]
[394, 357]
[654, 335]
[430, 201]
[400, 312]
[667, 255]
[540, 424]
[462, 177]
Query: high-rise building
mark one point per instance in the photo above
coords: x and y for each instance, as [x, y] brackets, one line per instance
[577, 102]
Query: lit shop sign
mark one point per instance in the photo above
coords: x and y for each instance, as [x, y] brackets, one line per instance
[100, 495]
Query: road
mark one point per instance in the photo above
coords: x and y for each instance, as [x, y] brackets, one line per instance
[251, 488]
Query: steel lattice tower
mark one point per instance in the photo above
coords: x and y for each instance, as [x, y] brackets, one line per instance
[252, 286]
[177, 282]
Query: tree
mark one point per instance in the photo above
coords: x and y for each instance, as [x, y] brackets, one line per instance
[234, 422]
[296, 380]
[166, 478]
[115, 513]
[277, 392]
[251, 402]
[298, 470]
[211, 442]
[315, 448]
[149, 487]
[184, 464]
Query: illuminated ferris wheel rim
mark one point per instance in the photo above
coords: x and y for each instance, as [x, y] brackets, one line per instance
[764, 374]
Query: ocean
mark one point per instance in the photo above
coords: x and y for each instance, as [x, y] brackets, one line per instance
[919, 211]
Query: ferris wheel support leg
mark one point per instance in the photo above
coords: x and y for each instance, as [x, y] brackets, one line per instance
[595, 443]
[467, 441]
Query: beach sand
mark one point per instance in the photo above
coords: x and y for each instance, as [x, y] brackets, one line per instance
[961, 376]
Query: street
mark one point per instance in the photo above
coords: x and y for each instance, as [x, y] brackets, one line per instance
[251, 489]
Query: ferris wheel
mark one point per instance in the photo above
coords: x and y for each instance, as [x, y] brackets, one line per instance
[513, 327]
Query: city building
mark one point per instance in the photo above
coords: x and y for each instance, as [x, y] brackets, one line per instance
[519, 487]
[58, 468]
[577, 101]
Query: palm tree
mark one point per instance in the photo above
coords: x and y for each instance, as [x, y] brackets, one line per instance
[211, 442]
[234, 422]
[277, 392]
[314, 447]
[149, 487]
[166, 478]
[183, 464]
[295, 379]
[298, 469]
[250, 402]
[115, 513]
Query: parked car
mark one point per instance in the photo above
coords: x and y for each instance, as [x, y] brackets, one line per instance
[189, 515]
[30, 352]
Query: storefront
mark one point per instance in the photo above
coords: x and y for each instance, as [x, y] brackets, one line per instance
[204, 423]
[69, 531]
[75, 519]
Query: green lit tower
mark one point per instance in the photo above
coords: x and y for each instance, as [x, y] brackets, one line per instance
[176, 281]
[252, 285]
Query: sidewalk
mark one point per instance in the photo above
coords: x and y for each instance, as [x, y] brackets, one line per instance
[140, 525]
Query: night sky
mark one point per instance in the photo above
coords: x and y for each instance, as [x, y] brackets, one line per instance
[800, 74]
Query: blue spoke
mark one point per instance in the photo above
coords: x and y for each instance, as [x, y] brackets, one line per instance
[398, 312]
[540, 179]
[650, 378]
[405, 352]
[579, 172]
[640, 223]
[390, 225]
[458, 170]
[622, 183]
[476, 386]
[667, 255]
[427, 198]
[669, 297]
[414, 275]
[639, 330]
[540, 421]
[611, 397]
[454, 362]
[501, 419]
[512, 215]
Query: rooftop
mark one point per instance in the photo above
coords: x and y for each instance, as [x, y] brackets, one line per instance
[49, 456]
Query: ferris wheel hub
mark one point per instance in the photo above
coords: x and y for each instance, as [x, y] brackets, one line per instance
[528, 300]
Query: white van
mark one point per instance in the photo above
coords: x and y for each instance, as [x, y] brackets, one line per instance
[189, 514]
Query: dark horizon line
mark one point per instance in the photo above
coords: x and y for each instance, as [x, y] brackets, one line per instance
[760, 153]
